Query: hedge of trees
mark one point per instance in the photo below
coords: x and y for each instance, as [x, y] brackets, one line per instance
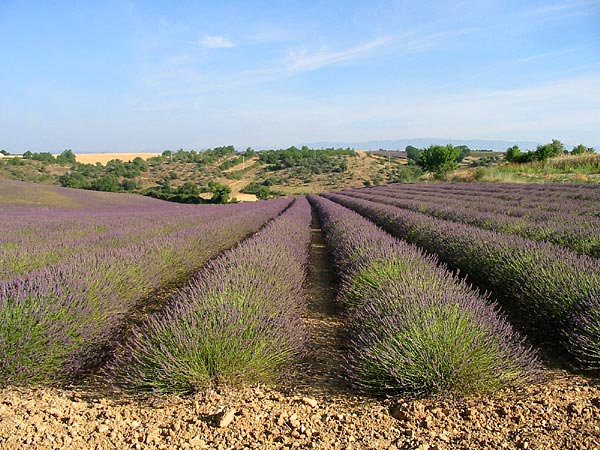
[543, 152]
[317, 161]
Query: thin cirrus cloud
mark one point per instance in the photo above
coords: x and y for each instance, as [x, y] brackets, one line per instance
[561, 8]
[216, 42]
[296, 61]
[400, 45]
[306, 61]
[299, 61]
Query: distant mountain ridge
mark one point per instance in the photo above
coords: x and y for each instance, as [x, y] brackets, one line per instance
[400, 144]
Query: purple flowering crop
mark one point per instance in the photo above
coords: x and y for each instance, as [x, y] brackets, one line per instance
[238, 320]
[554, 289]
[57, 320]
[413, 327]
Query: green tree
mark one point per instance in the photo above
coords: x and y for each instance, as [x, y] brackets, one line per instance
[262, 191]
[4, 152]
[66, 157]
[555, 148]
[221, 192]
[580, 149]
[108, 183]
[129, 185]
[188, 188]
[115, 167]
[439, 159]
[464, 152]
[413, 153]
[513, 154]
[165, 185]
[140, 164]
[73, 180]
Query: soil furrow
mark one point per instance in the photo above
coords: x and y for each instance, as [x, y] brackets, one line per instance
[322, 374]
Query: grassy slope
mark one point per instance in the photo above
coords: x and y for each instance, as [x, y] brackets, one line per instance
[33, 196]
[568, 168]
[287, 181]
[366, 166]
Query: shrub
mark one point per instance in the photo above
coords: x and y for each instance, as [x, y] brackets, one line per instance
[413, 327]
[439, 159]
[238, 320]
[543, 152]
[548, 283]
[57, 320]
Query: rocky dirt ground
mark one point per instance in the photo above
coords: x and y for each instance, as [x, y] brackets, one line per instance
[561, 413]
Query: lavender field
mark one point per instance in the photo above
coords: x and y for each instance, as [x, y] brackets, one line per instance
[442, 289]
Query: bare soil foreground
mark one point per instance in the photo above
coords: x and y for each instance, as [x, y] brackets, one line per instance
[562, 413]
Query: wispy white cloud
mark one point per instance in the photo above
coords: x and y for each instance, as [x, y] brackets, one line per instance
[401, 45]
[562, 10]
[216, 42]
[301, 61]
[531, 58]
[190, 82]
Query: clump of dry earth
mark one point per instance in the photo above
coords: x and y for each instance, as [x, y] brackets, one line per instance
[561, 413]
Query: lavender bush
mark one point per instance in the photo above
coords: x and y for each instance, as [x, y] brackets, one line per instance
[413, 327]
[530, 219]
[238, 320]
[56, 321]
[550, 285]
[583, 332]
[36, 239]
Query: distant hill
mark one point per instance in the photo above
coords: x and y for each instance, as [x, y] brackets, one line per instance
[400, 144]
[185, 176]
[197, 176]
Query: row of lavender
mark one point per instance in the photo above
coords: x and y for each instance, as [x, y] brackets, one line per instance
[579, 233]
[238, 320]
[55, 320]
[43, 238]
[529, 203]
[412, 326]
[571, 196]
[556, 290]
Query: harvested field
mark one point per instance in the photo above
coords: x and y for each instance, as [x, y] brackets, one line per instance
[103, 158]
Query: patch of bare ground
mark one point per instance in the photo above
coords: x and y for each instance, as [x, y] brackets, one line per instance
[243, 165]
[103, 158]
[321, 373]
[562, 413]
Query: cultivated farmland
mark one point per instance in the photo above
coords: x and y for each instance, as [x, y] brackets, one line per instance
[452, 316]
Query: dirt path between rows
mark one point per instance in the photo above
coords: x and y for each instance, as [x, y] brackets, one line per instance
[322, 375]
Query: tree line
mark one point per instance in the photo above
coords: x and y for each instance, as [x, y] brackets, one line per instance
[440, 159]
[543, 152]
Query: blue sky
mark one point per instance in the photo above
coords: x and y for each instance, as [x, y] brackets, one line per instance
[154, 75]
